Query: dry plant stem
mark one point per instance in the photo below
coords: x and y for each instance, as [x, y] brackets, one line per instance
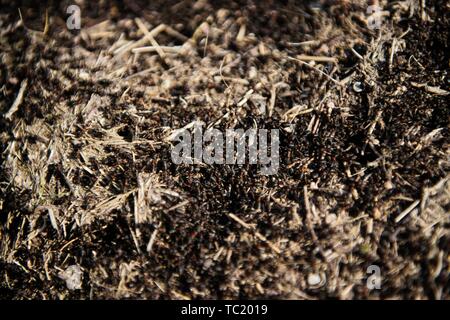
[149, 36]
[431, 89]
[135, 44]
[305, 58]
[316, 69]
[154, 49]
[257, 234]
[18, 101]
[408, 210]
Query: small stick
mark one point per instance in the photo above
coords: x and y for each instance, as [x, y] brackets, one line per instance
[295, 215]
[220, 73]
[128, 47]
[18, 100]
[53, 220]
[136, 241]
[152, 241]
[303, 43]
[317, 69]
[257, 234]
[246, 97]
[98, 26]
[146, 49]
[422, 10]
[238, 220]
[273, 98]
[296, 111]
[67, 244]
[141, 73]
[181, 204]
[46, 25]
[393, 50]
[241, 34]
[124, 48]
[206, 42]
[316, 58]
[174, 33]
[149, 36]
[237, 80]
[430, 89]
[307, 203]
[309, 222]
[356, 53]
[101, 34]
[270, 244]
[406, 211]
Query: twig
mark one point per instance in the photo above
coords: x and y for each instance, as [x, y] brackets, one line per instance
[303, 43]
[179, 205]
[257, 234]
[151, 242]
[273, 98]
[246, 97]
[146, 49]
[309, 222]
[174, 33]
[47, 25]
[149, 36]
[430, 89]
[18, 101]
[317, 69]
[316, 58]
[406, 211]
[240, 221]
[135, 44]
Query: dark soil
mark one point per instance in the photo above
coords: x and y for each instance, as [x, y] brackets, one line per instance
[87, 179]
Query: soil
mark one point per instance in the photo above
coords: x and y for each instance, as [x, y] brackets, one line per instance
[87, 182]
